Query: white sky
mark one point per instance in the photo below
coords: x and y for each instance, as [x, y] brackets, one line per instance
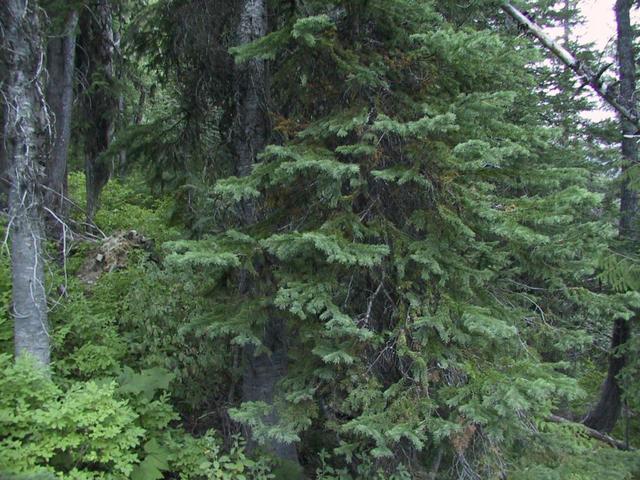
[599, 26]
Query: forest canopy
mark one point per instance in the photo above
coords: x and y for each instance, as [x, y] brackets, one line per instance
[317, 239]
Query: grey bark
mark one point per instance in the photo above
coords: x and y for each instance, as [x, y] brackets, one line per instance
[605, 414]
[25, 136]
[60, 67]
[4, 168]
[261, 372]
[100, 102]
[251, 82]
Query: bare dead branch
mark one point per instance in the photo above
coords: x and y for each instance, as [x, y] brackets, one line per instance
[582, 71]
[595, 434]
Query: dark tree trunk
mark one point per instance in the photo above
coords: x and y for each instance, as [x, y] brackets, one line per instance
[100, 101]
[605, 414]
[60, 67]
[25, 136]
[122, 154]
[262, 372]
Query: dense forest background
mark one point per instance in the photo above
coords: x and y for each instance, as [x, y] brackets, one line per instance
[328, 239]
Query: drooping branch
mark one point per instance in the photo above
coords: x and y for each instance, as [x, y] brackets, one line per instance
[583, 72]
[595, 434]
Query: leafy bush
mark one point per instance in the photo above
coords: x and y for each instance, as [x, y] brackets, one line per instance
[108, 429]
[127, 205]
[87, 343]
[6, 322]
[82, 433]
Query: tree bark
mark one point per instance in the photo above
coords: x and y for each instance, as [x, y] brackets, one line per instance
[605, 414]
[100, 102]
[4, 167]
[25, 135]
[60, 66]
[262, 372]
[251, 122]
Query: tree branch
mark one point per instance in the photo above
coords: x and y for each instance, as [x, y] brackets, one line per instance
[594, 434]
[582, 71]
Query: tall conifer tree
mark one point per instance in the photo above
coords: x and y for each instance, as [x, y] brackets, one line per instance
[411, 209]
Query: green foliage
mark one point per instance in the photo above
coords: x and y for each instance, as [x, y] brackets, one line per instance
[203, 458]
[105, 430]
[427, 236]
[559, 451]
[127, 205]
[435, 232]
[619, 272]
[86, 339]
[83, 432]
[105, 410]
[6, 322]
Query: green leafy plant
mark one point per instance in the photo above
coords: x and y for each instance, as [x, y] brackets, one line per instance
[84, 432]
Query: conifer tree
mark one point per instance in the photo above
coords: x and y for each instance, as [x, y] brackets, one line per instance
[410, 209]
[604, 415]
[262, 370]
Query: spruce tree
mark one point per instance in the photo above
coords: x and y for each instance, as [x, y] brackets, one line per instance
[412, 204]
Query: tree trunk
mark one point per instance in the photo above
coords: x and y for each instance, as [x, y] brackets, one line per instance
[605, 414]
[251, 83]
[4, 167]
[566, 24]
[262, 372]
[60, 67]
[25, 136]
[100, 102]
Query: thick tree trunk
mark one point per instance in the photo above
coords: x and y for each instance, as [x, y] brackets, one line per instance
[60, 66]
[25, 136]
[250, 129]
[4, 167]
[605, 414]
[262, 372]
[100, 102]
[261, 376]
